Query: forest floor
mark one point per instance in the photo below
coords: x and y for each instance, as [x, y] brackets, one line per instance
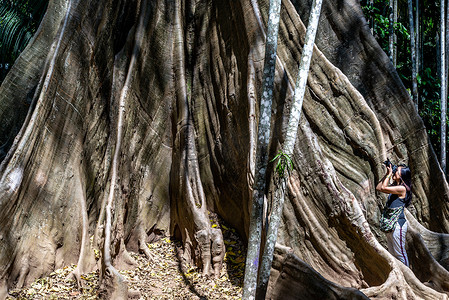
[162, 277]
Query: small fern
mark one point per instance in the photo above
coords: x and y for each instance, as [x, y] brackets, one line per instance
[284, 163]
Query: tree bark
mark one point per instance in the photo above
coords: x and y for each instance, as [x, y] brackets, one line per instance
[288, 148]
[395, 37]
[187, 144]
[371, 18]
[447, 46]
[413, 53]
[443, 97]
[391, 30]
[255, 225]
[417, 39]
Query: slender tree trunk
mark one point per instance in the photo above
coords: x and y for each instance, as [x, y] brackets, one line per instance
[413, 54]
[255, 227]
[443, 99]
[292, 129]
[447, 46]
[417, 37]
[395, 38]
[438, 52]
[391, 31]
[371, 19]
[421, 46]
[447, 49]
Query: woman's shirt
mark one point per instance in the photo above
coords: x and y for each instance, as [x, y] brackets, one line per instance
[395, 201]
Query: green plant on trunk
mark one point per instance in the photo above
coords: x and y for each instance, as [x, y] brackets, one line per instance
[284, 162]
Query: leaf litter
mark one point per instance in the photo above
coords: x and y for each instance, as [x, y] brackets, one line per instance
[163, 277]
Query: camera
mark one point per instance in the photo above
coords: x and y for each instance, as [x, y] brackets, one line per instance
[388, 163]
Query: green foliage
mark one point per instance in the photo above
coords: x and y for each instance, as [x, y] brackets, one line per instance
[428, 78]
[19, 20]
[430, 110]
[284, 162]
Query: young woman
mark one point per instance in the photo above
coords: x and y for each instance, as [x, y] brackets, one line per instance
[400, 194]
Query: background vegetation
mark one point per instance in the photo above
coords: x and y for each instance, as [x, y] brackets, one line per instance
[19, 20]
[428, 58]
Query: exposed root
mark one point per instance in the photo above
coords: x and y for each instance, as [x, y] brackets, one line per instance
[3, 289]
[144, 249]
[189, 204]
[142, 240]
[252, 100]
[24, 270]
[115, 286]
[424, 265]
[76, 275]
[218, 251]
[292, 277]
[345, 210]
[202, 238]
[123, 260]
[85, 260]
[436, 243]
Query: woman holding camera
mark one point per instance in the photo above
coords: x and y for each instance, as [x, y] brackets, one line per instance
[400, 195]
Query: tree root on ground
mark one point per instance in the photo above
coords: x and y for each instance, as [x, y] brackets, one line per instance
[292, 277]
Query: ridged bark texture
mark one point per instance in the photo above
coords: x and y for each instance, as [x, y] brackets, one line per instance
[288, 147]
[188, 142]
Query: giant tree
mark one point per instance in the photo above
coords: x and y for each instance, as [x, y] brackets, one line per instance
[164, 95]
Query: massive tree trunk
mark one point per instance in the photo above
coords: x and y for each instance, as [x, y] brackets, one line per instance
[164, 94]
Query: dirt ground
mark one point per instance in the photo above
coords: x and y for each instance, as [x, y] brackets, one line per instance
[162, 277]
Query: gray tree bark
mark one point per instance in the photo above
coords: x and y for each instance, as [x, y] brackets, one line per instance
[371, 19]
[447, 46]
[395, 37]
[288, 148]
[443, 79]
[255, 225]
[417, 39]
[391, 31]
[413, 53]
[187, 146]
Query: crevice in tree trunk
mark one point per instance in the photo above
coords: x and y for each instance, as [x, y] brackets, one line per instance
[189, 211]
[114, 209]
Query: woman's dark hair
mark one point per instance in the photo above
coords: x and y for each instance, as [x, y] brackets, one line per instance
[406, 177]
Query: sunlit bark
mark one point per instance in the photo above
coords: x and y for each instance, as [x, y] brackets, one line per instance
[443, 79]
[188, 139]
[288, 148]
[263, 137]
